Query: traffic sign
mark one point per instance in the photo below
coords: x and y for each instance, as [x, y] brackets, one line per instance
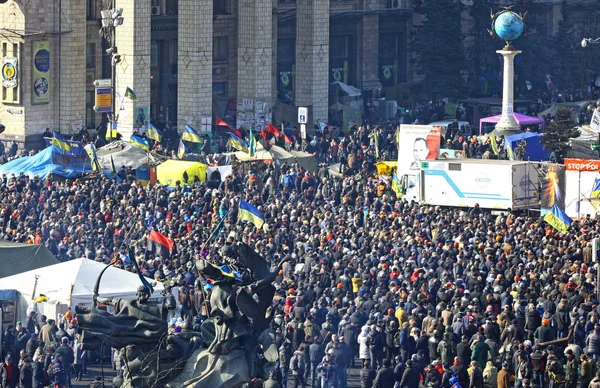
[103, 100]
[303, 131]
[103, 83]
[302, 115]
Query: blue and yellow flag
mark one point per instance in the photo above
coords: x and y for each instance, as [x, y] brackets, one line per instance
[396, 186]
[494, 144]
[60, 141]
[94, 157]
[558, 219]
[181, 149]
[130, 94]
[140, 142]
[595, 192]
[376, 140]
[190, 134]
[237, 143]
[397, 135]
[154, 133]
[252, 143]
[113, 169]
[251, 214]
[111, 133]
[509, 152]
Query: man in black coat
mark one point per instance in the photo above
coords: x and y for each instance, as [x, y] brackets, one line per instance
[367, 375]
[350, 334]
[463, 351]
[316, 353]
[32, 345]
[410, 378]
[68, 358]
[476, 379]
[385, 376]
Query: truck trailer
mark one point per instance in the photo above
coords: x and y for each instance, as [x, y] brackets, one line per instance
[492, 184]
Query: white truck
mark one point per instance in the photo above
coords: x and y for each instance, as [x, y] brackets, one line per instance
[493, 184]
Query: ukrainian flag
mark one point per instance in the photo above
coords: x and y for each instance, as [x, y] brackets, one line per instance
[154, 133]
[94, 157]
[60, 141]
[237, 143]
[251, 214]
[190, 134]
[396, 186]
[558, 219]
[130, 94]
[252, 144]
[181, 150]
[494, 144]
[596, 192]
[111, 133]
[140, 142]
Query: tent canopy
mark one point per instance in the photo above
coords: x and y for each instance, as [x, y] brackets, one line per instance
[306, 160]
[520, 118]
[51, 160]
[124, 154]
[16, 258]
[535, 151]
[56, 282]
[172, 171]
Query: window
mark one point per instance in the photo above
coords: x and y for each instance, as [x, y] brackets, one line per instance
[392, 59]
[286, 69]
[89, 9]
[173, 55]
[90, 55]
[220, 47]
[340, 59]
[219, 7]
[220, 88]
[154, 55]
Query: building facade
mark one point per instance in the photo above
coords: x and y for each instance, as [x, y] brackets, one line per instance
[190, 61]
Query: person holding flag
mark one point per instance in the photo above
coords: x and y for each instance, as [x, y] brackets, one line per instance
[190, 134]
[154, 133]
[250, 213]
[181, 149]
[252, 143]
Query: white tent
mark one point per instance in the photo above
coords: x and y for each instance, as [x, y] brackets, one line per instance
[72, 283]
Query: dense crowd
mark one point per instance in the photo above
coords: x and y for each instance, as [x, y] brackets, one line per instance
[413, 295]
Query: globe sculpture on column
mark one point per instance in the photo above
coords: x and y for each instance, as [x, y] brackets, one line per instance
[508, 26]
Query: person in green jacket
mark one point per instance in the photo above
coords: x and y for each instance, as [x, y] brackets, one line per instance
[480, 351]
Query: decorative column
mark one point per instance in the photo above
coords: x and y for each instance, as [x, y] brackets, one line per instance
[133, 44]
[195, 62]
[507, 124]
[312, 58]
[254, 89]
[72, 66]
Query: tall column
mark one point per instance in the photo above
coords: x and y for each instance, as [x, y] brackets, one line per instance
[312, 57]
[507, 124]
[133, 44]
[195, 62]
[255, 20]
[72, 66]
[369, 29]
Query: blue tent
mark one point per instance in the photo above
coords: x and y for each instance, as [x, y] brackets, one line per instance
[535, 151]
[51, 160]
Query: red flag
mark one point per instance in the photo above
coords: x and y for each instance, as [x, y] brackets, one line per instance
[286, 139]
[263, 133]
[273, 130]
[161, 239]
[222, 123]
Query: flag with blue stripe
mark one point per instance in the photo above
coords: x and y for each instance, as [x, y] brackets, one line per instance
[190, 134]
[140, 142]
[60, 141]
[558, 219]
[154, 133]
[237, 143]
[250, 213]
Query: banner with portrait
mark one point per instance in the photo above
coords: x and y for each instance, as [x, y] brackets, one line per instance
[417, 143]
[552, 184]
[41, 72]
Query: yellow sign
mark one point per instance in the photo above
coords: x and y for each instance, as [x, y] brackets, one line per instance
[9, 72]
[41, 72]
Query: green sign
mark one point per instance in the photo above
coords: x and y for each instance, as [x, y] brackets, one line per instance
[424, 164]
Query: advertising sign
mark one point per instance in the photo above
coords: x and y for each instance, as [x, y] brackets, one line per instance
[417, 143]
[41, 72]
[582, 164]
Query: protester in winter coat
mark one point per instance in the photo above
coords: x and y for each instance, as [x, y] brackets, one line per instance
[490, 375]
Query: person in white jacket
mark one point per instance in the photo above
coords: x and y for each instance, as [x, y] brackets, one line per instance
[363, 347]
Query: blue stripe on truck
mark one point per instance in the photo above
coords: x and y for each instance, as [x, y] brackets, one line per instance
[459, 193]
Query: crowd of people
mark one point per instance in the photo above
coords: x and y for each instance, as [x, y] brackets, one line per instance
[412, 295]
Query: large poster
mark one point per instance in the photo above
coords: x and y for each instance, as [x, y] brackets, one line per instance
[552, 177]
[41, 72]
[417, 143]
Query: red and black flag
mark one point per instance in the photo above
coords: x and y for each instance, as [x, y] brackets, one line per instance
[273, 130]
[160, 244]
[226, 128]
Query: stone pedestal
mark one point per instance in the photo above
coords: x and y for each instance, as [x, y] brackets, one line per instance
[133, 43]
[507, 124]
[312, 58]
[195, 62]
[254, 59]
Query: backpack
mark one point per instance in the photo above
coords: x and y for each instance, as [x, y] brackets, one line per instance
[454, 383]
[295, 362]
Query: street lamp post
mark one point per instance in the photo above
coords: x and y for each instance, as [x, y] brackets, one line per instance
[111, 19]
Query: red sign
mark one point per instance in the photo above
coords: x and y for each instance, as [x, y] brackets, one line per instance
[582, 164]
